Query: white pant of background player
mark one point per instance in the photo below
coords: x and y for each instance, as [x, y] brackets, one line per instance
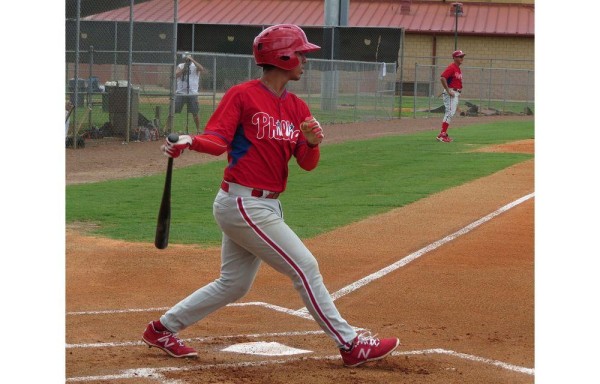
[450, 105]
[254, 231]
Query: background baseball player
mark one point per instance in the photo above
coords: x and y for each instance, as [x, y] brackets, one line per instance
[451, 80]
[188, 86]
[261, 126]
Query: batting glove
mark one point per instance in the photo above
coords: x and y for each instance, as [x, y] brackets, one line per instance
[174, 150]
[312, 131]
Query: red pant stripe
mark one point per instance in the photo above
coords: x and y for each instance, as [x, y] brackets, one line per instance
[289, 260]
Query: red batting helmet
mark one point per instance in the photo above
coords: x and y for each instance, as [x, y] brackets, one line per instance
[278, 44]
[458, 53]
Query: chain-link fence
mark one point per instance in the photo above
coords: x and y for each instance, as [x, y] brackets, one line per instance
[120, 72]
[120, 69]
[487, 91]
[336, 91]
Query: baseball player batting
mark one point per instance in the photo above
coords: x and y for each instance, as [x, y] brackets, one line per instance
[261, 126]
[451, 80]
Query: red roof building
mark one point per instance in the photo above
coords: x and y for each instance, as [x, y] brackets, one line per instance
[422, 17]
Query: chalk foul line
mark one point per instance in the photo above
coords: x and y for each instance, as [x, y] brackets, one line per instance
[303, 312]
[157, 373]
[464, 356]
[198, 339]
[273, 307]
[204, 339]
[415, 255]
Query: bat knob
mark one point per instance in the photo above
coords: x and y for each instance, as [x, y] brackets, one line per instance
[173, 137]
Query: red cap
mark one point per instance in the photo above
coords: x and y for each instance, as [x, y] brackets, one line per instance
[458, 53]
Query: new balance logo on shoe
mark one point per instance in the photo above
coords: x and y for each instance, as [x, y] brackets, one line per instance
[367, 348]
[364, 353]
[167, 341]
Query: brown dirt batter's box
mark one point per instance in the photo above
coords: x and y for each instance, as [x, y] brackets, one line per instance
[454, 300]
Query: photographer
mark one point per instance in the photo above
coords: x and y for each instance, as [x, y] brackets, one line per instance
[188, 84]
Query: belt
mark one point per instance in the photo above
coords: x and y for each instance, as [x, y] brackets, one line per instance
[240, 190]
[457, 90]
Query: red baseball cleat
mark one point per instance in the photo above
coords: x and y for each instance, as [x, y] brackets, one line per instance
[167, 341]
[367, 348]
[443, 137]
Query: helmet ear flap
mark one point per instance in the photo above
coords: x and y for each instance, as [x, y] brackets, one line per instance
[288, 62]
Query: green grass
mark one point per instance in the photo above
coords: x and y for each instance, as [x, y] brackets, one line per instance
[354, 180]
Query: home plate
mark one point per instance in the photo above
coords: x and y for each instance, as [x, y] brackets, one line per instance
[264, 348]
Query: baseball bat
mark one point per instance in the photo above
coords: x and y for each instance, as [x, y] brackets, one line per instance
[84, 119]
[69, 113]
[161, 238]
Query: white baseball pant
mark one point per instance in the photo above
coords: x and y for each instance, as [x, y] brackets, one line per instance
[254, 231]
[450, 105]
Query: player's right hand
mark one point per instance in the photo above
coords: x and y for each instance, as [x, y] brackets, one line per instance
[174, 150]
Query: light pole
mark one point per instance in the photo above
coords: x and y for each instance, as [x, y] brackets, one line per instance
[458, 11]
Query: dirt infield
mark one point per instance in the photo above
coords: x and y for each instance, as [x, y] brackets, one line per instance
[459, 293]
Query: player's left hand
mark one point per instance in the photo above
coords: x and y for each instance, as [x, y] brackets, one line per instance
[312, 131]
[174, 150]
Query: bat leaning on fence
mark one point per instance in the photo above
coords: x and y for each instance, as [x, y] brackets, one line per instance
[84, 119]
[73, 139]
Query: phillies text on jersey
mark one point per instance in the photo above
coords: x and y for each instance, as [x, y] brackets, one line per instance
[269, 127]
[262, 131]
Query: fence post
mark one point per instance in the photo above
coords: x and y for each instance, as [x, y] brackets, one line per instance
[214, 83]
[431, 86]
[481, 89]
[393, 90]
[527, 91]
[89, 93]
[309, 80]
[490, 88]
[129, 61]
[116, 51]
[377, 82]
[504, 83]
[401, 66]
[171, 117]
[76, 76]
[415, 93]
[357, 90]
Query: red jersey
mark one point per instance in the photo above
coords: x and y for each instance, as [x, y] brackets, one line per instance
[453, 76]
[262, 132]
